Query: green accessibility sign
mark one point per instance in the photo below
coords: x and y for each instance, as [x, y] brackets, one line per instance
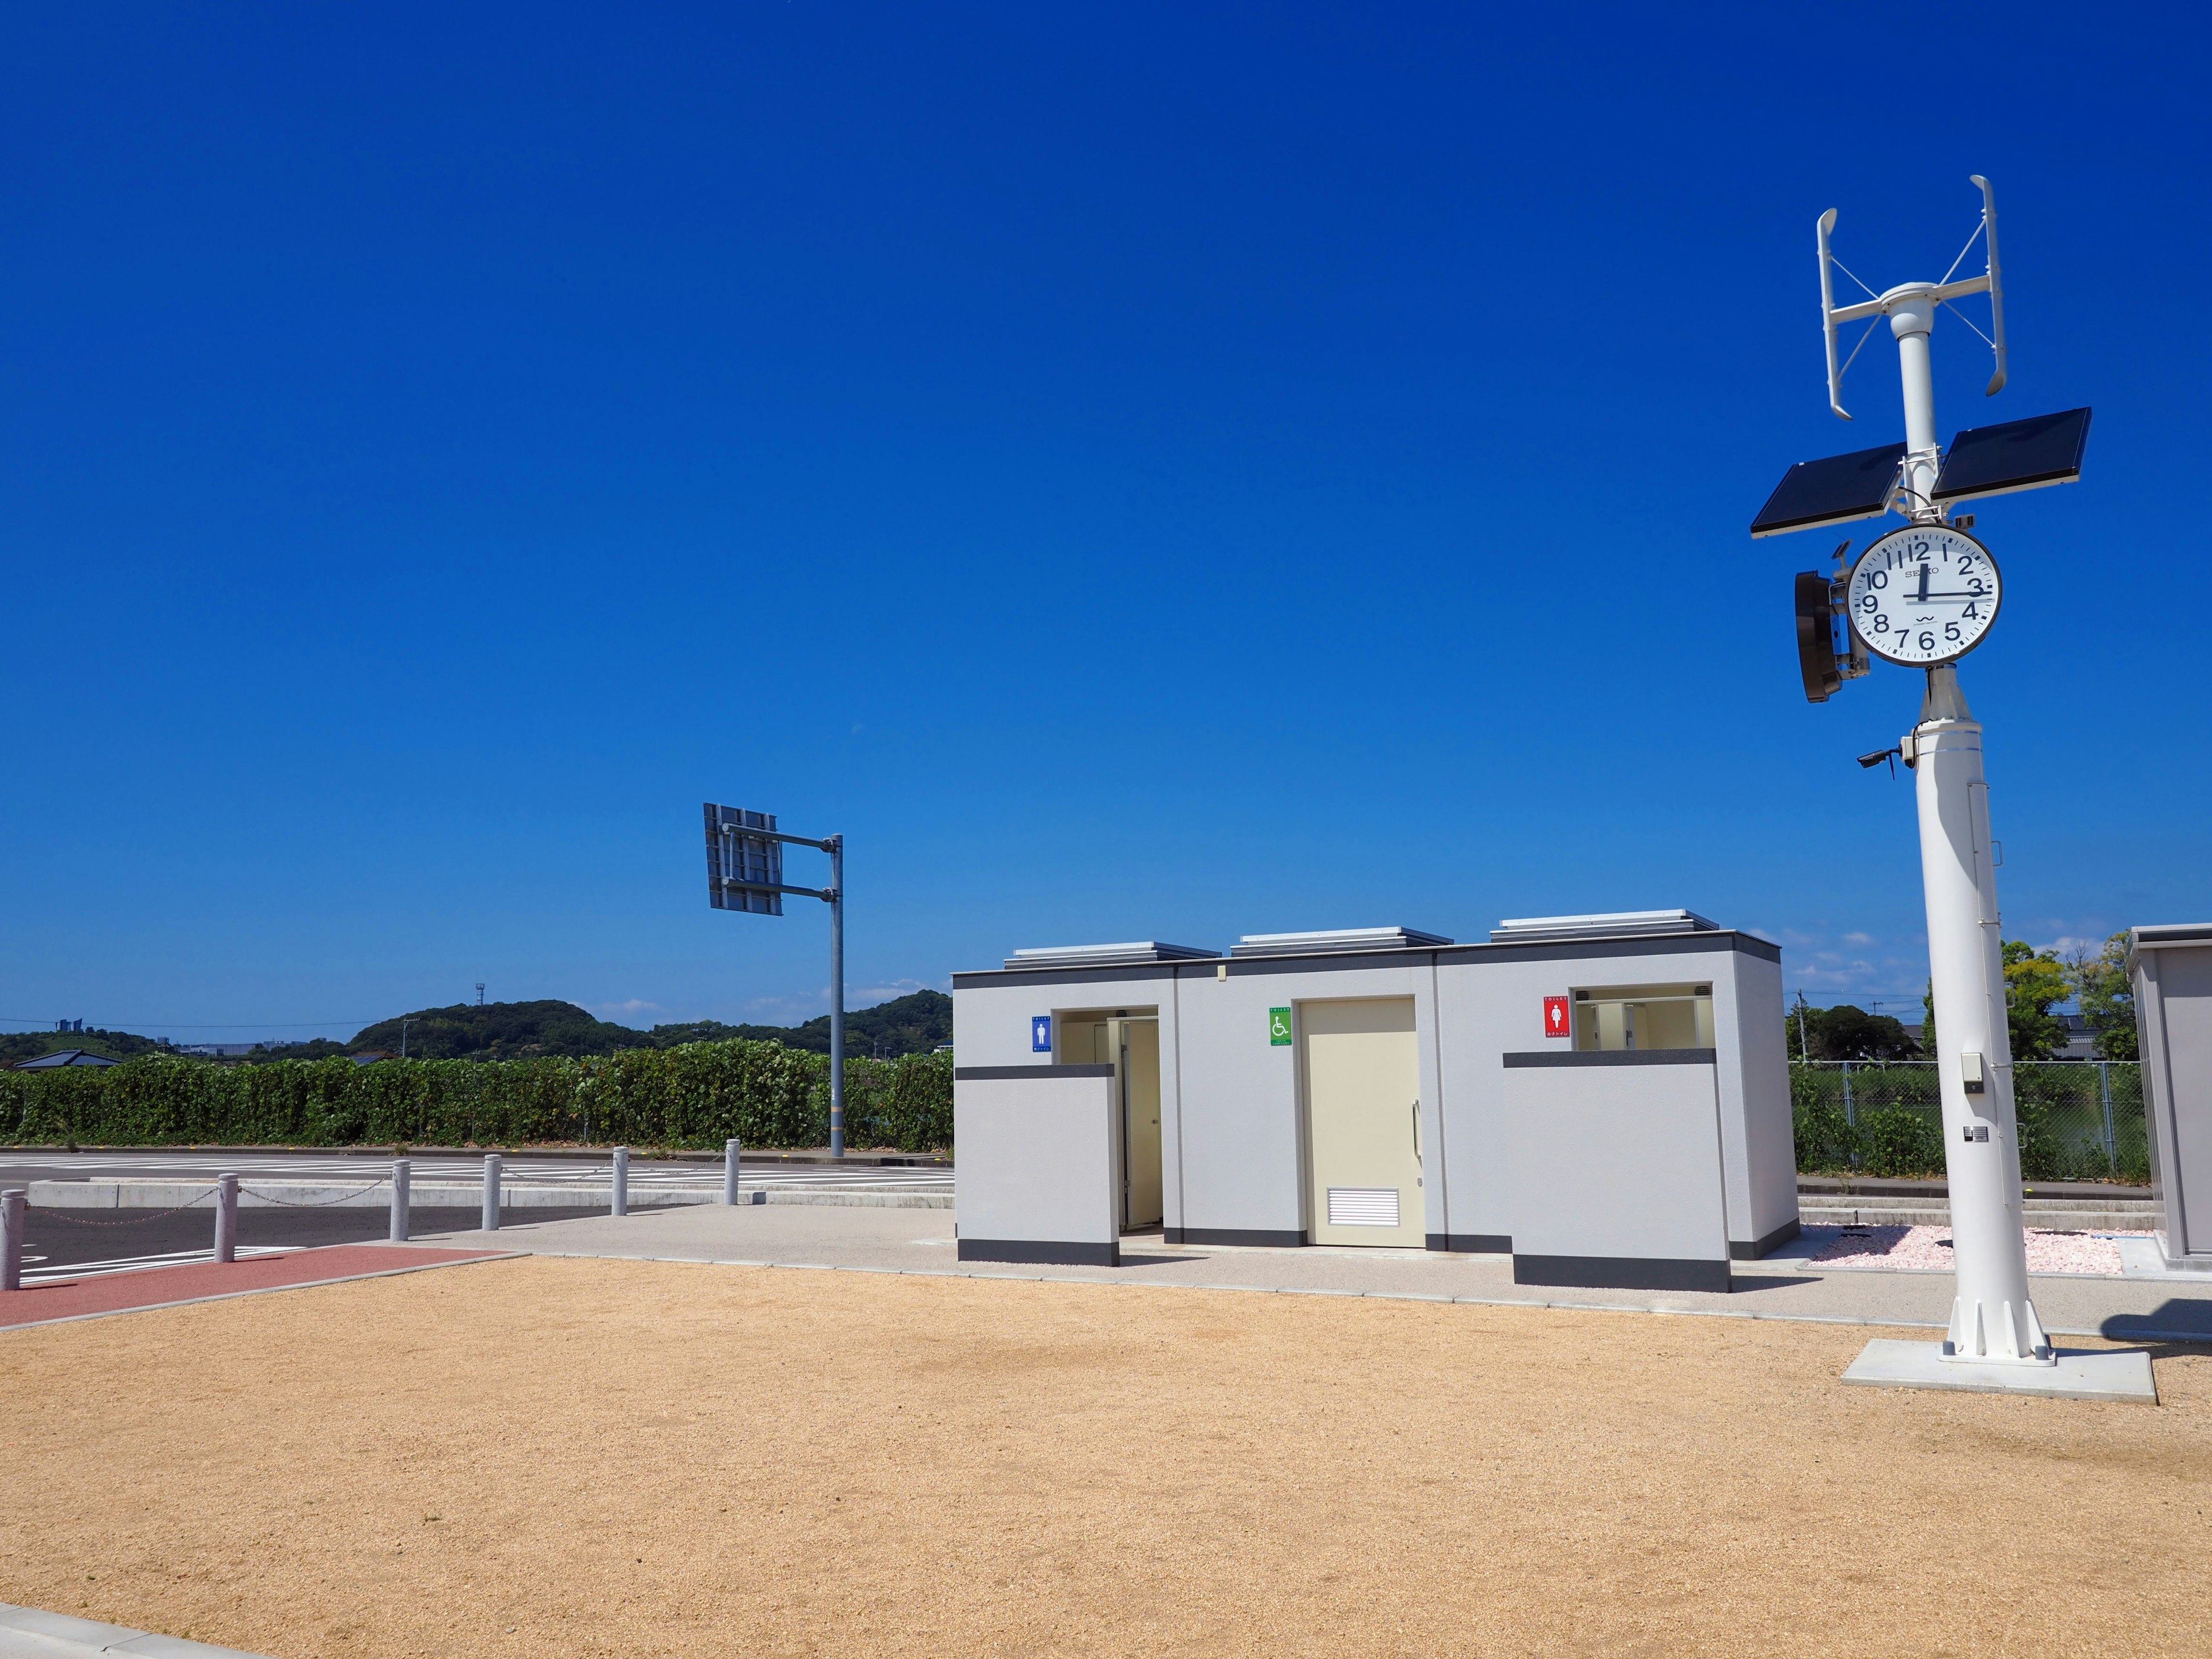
[1279, 1027]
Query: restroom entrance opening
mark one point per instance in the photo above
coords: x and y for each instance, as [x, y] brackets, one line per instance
[1362, 1083]
[1128, 1040]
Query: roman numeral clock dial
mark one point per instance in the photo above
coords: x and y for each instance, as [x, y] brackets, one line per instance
[1923, 595]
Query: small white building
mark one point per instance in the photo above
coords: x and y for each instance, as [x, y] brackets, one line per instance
[1605, 1097]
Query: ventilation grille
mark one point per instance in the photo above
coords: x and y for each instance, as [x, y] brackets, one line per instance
[1363, 1206]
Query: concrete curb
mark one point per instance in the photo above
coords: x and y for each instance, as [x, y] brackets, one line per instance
[425, 1195]
[28, 1633]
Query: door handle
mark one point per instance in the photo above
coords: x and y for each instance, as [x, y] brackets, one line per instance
[1416, 1132]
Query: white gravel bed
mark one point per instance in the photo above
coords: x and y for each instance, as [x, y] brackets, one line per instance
[1908, 1249]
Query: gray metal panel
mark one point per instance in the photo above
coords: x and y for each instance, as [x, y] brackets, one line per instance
[2173, 1010]
[1108, 956]
[1616, 1162]
[1334, 941]
[733, 855]
[1036, 1155]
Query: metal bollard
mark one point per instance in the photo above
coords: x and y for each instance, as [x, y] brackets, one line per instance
[226, 1218]
[621, 1204]
[491, 1193]
[403, 1174]
[730, 1173]
[11, 1238]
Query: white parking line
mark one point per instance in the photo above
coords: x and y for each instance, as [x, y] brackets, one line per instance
[124, 1264]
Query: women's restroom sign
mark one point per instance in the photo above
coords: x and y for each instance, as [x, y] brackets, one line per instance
[1555, 1017]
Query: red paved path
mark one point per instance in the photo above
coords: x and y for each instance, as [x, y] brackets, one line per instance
[157, 1287]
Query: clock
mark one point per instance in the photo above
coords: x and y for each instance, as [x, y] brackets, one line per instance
[1923, 595]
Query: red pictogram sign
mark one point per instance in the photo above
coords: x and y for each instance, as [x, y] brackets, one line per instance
[1555, 1017]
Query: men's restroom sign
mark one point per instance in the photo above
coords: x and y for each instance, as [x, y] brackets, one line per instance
[1279, 1027]
[1041, 1034]
[1555, 1017]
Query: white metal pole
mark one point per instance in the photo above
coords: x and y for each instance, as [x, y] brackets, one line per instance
[491, 1193]
[1911, 320]
[836, 996]
[402, 1171]
[730, 1151]
[619, 1204]
[1991, 1316]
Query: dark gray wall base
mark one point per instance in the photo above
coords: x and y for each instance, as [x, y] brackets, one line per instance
[1047, 1252]
[1758, 1248]
[1025, 1074]
[1553, 1057]
[1473, 1244]
[1621, 1273]
[1263, 1235]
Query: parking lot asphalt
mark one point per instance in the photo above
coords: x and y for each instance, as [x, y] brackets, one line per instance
[80, 1243]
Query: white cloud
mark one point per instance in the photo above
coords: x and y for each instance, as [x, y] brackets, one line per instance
[1858, 938]
[634, 1006]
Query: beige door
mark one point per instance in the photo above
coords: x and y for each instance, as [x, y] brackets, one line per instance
[1136, 1043]
[1363, 1084]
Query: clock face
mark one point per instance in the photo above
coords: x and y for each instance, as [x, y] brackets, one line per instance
[1923, 595]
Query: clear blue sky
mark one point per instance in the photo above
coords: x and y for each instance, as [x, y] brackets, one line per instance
[1138, 471]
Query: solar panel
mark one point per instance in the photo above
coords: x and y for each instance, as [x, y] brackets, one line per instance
[1995, 460]
[735, 856]
[1833, 491]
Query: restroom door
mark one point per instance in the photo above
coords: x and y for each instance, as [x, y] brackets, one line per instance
[1363, 1086]
[1136, 1046]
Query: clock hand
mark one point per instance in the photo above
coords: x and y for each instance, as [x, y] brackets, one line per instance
[1924, 583]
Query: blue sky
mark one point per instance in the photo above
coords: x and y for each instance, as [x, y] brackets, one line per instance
[1137, 471]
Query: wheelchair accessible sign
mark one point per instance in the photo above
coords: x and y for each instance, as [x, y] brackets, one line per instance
[1279, 1027]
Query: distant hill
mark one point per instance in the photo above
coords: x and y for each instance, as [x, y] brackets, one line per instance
[911, 1025]
[499, 1031]
[518, 1030]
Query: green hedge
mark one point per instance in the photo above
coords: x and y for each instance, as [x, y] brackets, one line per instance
[695, 1096]
[1895, 1124]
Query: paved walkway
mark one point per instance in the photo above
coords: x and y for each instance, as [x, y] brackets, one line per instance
[207, 1281]
[922, 1242]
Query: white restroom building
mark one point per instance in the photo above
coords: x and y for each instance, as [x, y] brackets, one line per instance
[1604, 1097]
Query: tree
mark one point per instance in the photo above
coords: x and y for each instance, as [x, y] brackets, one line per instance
[2108, 998]
[2035, 982]
[1845, 1032]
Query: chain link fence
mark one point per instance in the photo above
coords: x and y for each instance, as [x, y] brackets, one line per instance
[2079, 1119]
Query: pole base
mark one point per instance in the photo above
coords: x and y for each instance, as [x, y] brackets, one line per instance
[2014, 1337]
[2122, 1374]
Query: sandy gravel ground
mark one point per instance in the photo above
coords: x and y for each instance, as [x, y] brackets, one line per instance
[569, 1457]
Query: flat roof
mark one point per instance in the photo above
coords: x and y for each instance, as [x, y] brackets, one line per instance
[1558, 949]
